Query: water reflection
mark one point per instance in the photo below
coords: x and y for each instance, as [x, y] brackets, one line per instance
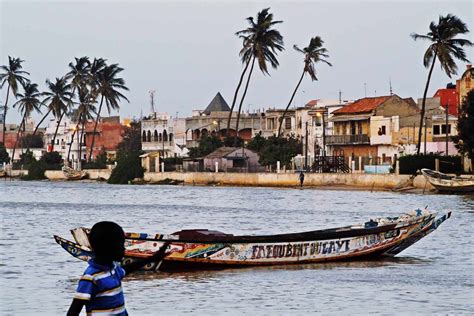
[32, 265]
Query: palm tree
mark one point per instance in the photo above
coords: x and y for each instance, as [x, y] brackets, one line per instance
[444, 47]
[261, 43]
[78, 73]
[28, 102]
[108, 86]
[59, 98]
[312, 54]
[11, 75]
[82, 114]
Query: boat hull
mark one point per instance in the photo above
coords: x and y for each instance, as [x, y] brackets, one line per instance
[448, 184]
[215, 254]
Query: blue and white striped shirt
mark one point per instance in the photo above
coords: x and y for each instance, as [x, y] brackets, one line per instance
[101, 287]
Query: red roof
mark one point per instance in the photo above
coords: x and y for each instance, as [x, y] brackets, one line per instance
[365, 105]
[312, 103]
[448, 97]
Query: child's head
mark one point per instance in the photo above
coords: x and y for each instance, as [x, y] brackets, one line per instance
[107, 240]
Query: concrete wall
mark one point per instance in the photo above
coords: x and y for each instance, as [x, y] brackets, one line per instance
[94, 174]
[378, 181]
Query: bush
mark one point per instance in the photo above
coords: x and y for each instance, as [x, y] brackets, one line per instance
[36, 171]
[52, 159]
[206, 146]
[26, 159]
[128, 168]
[32, 141]
[410, 164]
[4, 157]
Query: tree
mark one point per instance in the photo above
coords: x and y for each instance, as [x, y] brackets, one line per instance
[445, 47]
[275, 149]
[206, 146]
[82, 114]
[29, 101]
[12, 75]
[128, 156]
[4, 157]
[465, 139]
[59, 98]
[108, 85]
[313, 54]
[261, 43]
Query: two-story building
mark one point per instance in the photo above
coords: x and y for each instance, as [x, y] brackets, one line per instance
[213, 121]
[164, 134]
[370, 127]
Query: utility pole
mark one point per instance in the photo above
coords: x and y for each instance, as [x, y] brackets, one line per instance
[152, 101]
[426, 119]
[306, 148]
[447, 133]
[324, 135]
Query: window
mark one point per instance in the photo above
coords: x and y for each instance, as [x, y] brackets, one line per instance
[436, 130]
[318, 121]
[144, 136]
[443, 129]
[271, 123]
[287, 122]
[359, 128]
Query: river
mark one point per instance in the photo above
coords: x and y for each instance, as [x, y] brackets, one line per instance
[436, 275]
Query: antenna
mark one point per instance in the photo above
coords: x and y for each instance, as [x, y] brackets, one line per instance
[152, 100]
[390, 83]
[340, 96]
[365, 89]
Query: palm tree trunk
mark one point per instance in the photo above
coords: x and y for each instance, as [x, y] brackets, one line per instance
[95, 128]
[289, 103]
[241, 102]
[235, 97]
[56, 131]
[40, 122]
[80, 143]
[422, 113]
[18, 136]
[5, 116]
[72, 139]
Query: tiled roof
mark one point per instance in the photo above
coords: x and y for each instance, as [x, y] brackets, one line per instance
[364, 105]
[312, 103]
[217, 104]
[221, 152]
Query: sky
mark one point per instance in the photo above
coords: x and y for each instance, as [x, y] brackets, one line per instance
[187, 51]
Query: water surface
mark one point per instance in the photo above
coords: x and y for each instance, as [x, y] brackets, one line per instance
[436, 275]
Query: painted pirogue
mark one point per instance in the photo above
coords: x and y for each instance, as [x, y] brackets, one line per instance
[201, 248]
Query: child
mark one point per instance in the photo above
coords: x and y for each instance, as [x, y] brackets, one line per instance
[100, 288]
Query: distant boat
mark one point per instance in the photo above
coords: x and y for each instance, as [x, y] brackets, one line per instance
[202, 248]
[72, 174]
[446, 183]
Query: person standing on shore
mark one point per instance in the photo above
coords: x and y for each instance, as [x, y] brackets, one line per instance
[301, 177]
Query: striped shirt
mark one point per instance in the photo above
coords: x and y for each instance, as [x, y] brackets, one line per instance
[101, 287]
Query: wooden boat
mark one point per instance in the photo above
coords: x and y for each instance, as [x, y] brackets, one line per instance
[201, 248]
[72, 174]
[446, 183]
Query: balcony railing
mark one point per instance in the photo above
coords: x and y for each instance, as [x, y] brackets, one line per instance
[347, 139]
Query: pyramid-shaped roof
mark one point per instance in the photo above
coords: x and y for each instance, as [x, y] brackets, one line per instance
[217, 104]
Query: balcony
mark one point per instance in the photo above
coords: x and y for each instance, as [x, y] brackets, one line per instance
[361, 139]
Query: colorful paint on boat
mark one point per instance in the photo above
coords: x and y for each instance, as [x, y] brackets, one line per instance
[201, 248]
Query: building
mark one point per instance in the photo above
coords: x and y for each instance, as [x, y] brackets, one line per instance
[271, 122]
[158, 135]
[436, 124]
[448, 98]
[371, 127]
[109, 134]
[232, 159]
[465, 84]
[213, 121]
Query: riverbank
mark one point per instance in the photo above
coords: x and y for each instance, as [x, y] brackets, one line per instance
[317, 180]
